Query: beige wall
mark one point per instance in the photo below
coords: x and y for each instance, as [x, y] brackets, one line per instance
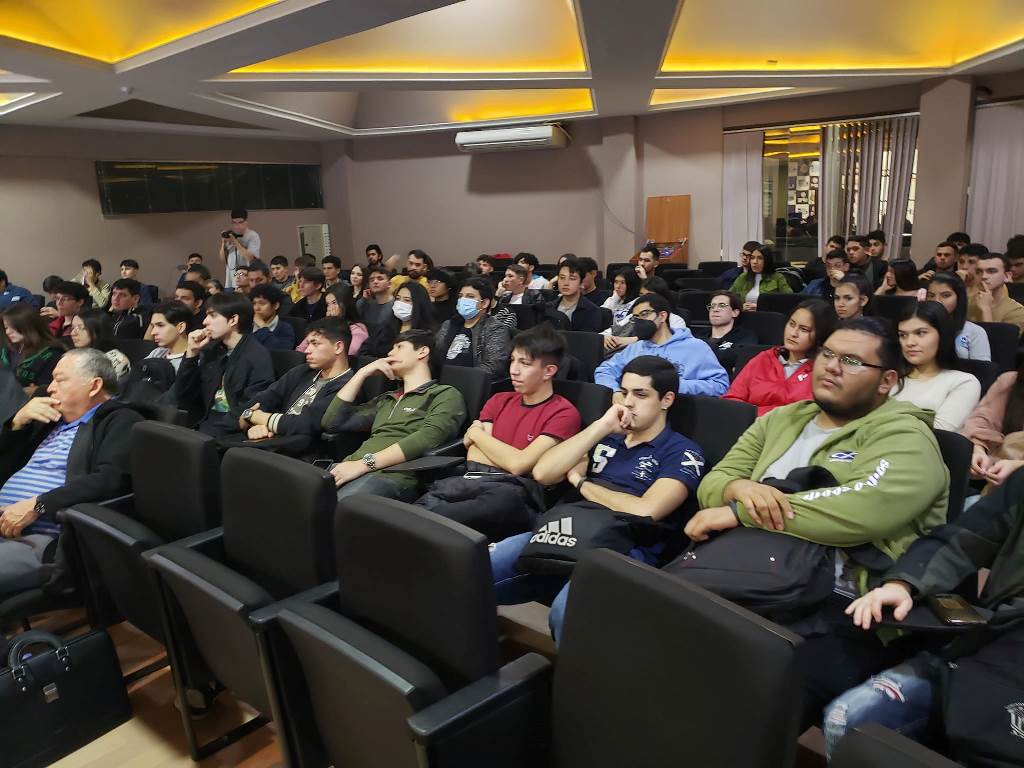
[50, 213]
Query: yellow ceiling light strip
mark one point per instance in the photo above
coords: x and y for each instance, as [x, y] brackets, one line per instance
[114, 30]
[7, 98]
[471, 37]
[662, 96]
[480, 106]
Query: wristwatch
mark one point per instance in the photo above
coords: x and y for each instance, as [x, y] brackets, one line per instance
[39, 508]
[370, 461]
[247, 414]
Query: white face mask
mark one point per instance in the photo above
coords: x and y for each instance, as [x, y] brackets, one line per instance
[402, 310]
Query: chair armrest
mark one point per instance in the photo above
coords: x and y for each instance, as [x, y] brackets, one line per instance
[426, 464]
[456, 448]
[321, 594]
[508, 711]
[123, 504]
[209, 543]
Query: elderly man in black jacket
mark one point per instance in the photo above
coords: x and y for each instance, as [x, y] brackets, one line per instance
[224, 367]
[57, 451]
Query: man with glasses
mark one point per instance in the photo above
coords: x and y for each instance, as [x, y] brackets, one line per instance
[238, 245]
[699, 371]
[891, 487]
[723, 310]
[71, 299]
[727, 278]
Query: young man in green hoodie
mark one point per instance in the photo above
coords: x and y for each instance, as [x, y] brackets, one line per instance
[403, 425]
[892, 487]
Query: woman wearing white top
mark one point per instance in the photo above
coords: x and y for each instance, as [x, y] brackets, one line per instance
[927, 339]
[625, 289]
[949, 290]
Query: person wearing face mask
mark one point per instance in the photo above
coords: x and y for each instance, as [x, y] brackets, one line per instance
[782, 375]
[472, 338]
[700, 373]
[410, 310]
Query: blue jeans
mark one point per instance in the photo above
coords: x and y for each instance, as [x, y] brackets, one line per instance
[378, 484]
[902, 699]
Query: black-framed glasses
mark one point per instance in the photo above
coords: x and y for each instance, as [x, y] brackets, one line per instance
[850, 363]
[644, 314]
[710, 307]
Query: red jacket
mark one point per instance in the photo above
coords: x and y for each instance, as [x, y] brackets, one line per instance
[763, 382]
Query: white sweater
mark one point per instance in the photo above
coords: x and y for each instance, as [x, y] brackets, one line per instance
[951, 394]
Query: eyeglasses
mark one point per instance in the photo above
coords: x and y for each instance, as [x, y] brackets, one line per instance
[643, 314]
[850, 363]
[711, 307]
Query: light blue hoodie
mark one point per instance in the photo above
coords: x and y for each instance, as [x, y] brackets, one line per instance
[699, 370]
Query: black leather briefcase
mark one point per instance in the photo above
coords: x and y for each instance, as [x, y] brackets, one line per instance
[57, 700]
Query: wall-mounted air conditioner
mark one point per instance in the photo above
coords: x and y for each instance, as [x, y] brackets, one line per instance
[512, 139]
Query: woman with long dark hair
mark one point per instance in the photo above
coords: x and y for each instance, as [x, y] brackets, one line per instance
[782, 375]
[901, 280]
[27, 347]
[625, 289]
[933, 382]
[357, 281]
[759, 277]
[971, 340]
[411, 310]
[94, 328]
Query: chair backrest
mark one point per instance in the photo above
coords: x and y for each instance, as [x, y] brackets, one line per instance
[546, 270]
[784, 303]
[1016, 291]
[298, 325]
[420, 581]
[745, 353]
[985, 372]
[473, 383]
[175, 479]
[696, 302]
[607, 318]
[890, 307]
[874, 746]
[769, 327]
[526, 315]
[715, 268]
[1003, 339]
[277, 515]
[134, 349]
[956, 453]
[615, 267]
[586, 347]
[714, 424]
[284, 360]
[697, 283]
[703, 660]
[591, 400]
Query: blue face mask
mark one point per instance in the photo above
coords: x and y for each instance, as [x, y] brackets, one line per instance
[467, 308]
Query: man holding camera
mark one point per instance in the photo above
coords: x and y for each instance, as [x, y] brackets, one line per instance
[238, 245]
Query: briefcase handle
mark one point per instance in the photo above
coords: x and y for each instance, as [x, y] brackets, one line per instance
[34, 637]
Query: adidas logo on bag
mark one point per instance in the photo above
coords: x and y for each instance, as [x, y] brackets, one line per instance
[557, 532]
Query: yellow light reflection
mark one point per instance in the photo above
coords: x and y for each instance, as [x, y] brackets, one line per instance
[474, 36]
[478, 106]
[7, 98]
[932, 34]
[682, 95]
[113, 30]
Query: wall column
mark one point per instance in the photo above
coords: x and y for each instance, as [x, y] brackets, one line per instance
[619, 196]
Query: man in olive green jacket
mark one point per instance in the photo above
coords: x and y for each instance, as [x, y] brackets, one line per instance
[892, 487]
[403, 425]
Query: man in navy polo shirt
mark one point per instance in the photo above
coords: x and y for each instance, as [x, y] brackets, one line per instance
[630, 461]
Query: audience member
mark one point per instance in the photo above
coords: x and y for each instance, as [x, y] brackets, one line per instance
[238, 245]
[782, 375]
[280, 277]
[331, 267]
[197, 273]
[582, 314]
[647, 261]
[901, 280]
[991, 303]
[268, 327]
[411, 310]
[625, 289]
[589, 269]
[417, 265]
[93, 328]
[242, 280]
[224, 367]
[191, 261]
[851, 296]
[724, 309]
[660, 286]
[214, 286]
[928, 340]
[375, 258]
[311, 306]
[817, 269]
[129, 321]
[621, 334]
[1016, 259]
[341, 305]
[71, 298]
[259, 274]
[837, 266]
[630, 462]
[130, 271]
[91, 277]
[513, 288]
[473, 338]
[967, 265]
[295, 404]
[430, 414]
[440, 284]
[192, 296]
[301, 263]
[949, 290]
[876, 245]
[727, 278]
[28, 348]
[357, 282]
[486, 265]
[375, 308]
[50, 286]
[959, 239]
[57, 451]
[698, 371]
[11, 293]
[996, 425]
[760, 277]
[944, 260]
[530, 262]
[493, 492]
[891, 486]
[169, 327]
[858, 252]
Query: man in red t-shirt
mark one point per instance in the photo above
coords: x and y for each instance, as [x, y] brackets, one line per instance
[493, 492]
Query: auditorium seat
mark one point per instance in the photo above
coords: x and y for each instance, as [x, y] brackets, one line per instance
[697, 283]
[745, 353]
[526, 315]
[769, 327]
[134, 349]
[587, 348]
[674, 699]
[696, 303]
[984, 371]
[1016, 291]
[298, 325]
[956, 454]
[715, 268]
[783, 303]
[1003, 339]
[591, 400]
[892, 308]
[284, 360]
[714, 424]
[874, 746]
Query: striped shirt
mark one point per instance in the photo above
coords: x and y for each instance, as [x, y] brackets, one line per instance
[46, 470]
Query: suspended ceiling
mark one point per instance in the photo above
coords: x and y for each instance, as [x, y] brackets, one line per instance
[329, 68]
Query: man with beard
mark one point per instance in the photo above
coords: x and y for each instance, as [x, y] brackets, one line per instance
[891, 487]
[417, 265]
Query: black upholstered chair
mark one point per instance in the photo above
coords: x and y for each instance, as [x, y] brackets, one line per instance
[134, 349]
[769, 327]
[874, 746]
[706, 283]
[699, 660]
[745, 353]
[587, 348]
[275, 542]
[284, 360]
[714, 424]
[956, 453]
[890, 307]
[591, 400]
[783, 303]
[696, 303]
[1003, 339]
[715, 268]
[985, 372]
[298, 325]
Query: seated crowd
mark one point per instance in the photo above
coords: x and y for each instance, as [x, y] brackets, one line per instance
[349, 368]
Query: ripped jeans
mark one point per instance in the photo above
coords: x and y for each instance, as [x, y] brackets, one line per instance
[901, 699]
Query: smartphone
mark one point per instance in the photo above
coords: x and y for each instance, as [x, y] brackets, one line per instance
[323, 464]
[954, 610]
